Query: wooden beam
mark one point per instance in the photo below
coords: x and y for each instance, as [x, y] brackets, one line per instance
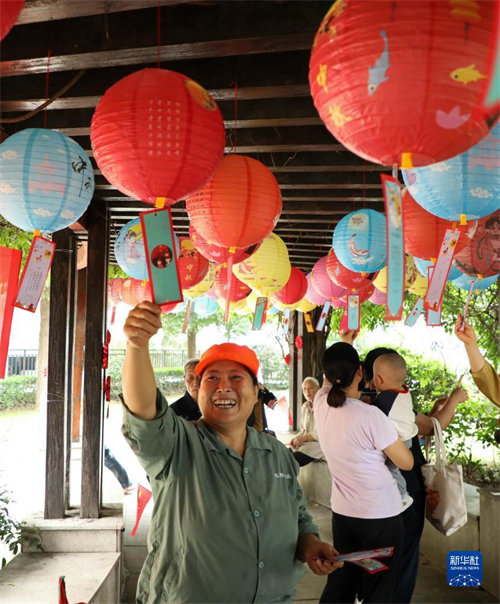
[39, 11]
[149, 55]
[93, 408]
[218, 94]
[56, 377]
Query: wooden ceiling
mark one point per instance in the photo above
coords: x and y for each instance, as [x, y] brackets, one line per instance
[260, 47]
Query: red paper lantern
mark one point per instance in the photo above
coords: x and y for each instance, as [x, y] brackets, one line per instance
[396, 78]
[424, 232]
[238, 289]
[343, 276]
[157, 134]
[216, 253]
[294, 290]
[482, 254]
[9, 10]
[141, 290]
[239, 206]
[192, 266]
[127, 293]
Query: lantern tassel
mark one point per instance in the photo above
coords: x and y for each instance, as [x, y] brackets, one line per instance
[229, 281]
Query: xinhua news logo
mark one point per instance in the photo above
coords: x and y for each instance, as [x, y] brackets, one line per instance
[465, 569]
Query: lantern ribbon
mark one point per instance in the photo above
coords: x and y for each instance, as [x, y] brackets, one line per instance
[308, 323]
[259, 316]
[353, 312]
[186, 317]
[415, 312]
[230, 261]
[441, 269]
[323, 316]
[466, 307]
[10, 263]
[286, 321]
[395, 248]
[343, 327]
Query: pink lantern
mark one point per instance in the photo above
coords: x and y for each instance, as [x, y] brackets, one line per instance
[482, 255]
[378, 297]
[323, 284]
[312, 294]
[294, 290]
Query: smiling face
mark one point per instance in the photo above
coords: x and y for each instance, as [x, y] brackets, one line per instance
[227, 394]
[309, 389]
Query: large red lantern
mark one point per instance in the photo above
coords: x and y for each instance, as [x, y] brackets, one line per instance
[115, 290]
[215, 252]
[237, 289]
[9, 12]
[343, 276]
[294, 290]
[424, 232]
[239, 206]
[482, 254]
[157, 134]
[192, 266]
[401, 82]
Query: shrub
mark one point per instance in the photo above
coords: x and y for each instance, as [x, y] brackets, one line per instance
[18, 392]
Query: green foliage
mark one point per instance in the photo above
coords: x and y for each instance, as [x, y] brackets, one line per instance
[273, 367]
[18, 391]
[170, 380]
[115, 272]
[11, 236]
[13, 533]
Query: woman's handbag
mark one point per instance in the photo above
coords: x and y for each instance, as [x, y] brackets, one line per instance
[445, 507]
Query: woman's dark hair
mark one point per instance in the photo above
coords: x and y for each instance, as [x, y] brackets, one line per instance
[370, 360]
[340, 363]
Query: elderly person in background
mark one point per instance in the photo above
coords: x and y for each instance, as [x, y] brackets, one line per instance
[306, 443]
[230, 522]
[187, 405]
[486, 378]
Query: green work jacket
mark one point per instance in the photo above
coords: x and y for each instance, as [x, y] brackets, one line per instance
[223, 528]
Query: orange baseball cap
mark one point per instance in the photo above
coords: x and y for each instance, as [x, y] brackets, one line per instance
[228, 352]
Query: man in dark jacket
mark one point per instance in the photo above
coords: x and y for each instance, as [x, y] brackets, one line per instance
[187, 406]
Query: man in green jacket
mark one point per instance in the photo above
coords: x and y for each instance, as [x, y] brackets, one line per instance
[230, 522]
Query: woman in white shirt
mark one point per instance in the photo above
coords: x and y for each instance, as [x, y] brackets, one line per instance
[355, 439]
[305, 444]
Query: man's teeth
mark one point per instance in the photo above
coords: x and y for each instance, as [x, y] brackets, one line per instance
[225, 403]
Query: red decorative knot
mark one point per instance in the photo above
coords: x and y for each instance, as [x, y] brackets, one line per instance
[299, 342]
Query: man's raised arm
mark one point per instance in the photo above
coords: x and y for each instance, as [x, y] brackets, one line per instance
[138, 380]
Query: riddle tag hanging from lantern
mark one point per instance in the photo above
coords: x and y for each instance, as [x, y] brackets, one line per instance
[442, 267]
[35, 273]
[259, 316]
[161, 256]
[433, 315]
[395, 248]
[415, 312]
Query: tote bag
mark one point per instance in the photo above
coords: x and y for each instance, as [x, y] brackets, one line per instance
[445, 508]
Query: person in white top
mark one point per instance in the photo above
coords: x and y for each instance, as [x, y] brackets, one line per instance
[366, 506]
[305, 444]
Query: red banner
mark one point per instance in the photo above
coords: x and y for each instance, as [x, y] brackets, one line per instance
[10, 263]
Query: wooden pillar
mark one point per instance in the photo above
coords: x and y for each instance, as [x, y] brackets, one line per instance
[294, 387]
[78, 358]
[95, 323]
[55, 504]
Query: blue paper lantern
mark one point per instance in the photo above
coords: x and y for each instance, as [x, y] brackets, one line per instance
[465, 187]
[359, 241]
[423, 265]
[46, 180]
[464, 281]
[129, 250]
[205, 306]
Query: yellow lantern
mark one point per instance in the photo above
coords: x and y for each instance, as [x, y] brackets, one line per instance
[268, 269]
[411, 274]
[305, 306]
[419, 286]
